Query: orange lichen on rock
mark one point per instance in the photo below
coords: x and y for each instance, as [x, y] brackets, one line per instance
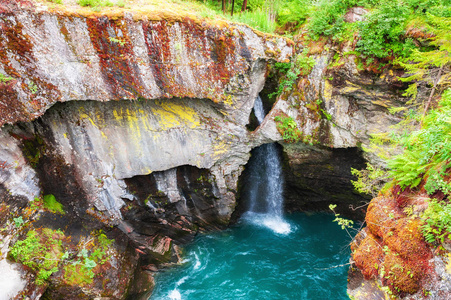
[392, 247]
[368, 256]
[399, 274]
[407, 240]
[381, 215]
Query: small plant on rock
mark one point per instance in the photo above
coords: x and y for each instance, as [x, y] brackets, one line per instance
[288, 129]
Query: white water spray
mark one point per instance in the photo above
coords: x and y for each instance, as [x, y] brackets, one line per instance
[266, 185]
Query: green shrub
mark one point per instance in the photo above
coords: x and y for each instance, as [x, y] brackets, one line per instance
[294, 12]
[288, 129]
[304, 63]
[327, 18]
[370, 180]
[18, 222]
[382, 33]
[427, 153]
[40, 251]
[437, 218]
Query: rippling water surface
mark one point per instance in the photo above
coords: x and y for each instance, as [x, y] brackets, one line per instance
[255, 262]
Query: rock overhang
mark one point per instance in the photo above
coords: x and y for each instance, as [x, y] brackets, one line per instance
[62, 54]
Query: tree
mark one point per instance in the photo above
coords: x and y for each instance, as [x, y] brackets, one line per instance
[244, 7]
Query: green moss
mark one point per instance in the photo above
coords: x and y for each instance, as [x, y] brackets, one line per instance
[45, 251]
[51, 204]
[83, 268]
[77, 274]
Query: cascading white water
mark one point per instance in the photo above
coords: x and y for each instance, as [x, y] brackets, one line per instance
[265, 190]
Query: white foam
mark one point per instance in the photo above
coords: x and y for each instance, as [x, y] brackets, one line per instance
[275, 223]
[278, 225]
[175, 295]
[197, 264]
[181, 281]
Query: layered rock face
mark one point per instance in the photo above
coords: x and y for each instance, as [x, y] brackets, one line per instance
[62, 56]
[136, 123]
[336, 108]
[157, 164]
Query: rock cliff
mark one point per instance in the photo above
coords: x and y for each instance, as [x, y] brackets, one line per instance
[150, 139]
[135, 122]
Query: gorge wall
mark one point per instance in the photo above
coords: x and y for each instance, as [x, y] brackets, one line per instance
[135, 121]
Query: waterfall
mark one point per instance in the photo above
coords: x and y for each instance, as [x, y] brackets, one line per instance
[265, 188]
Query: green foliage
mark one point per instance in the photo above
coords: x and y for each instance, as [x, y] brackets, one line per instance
[5, 78]
[424, 67]
[324, 113]
[288, 128]
[293, 12]
[45, 251]
[18, 222]
[117, 41]
[369, 180]
[95, 3]
[327, 18]
[427, 153]
[437, 218]
[382, 33]
[56, 1]
[257, 19]
[51, 204]
[291, 74]
[32, 87]
[80, 271]
[40, 252]
[304, 63]
[345, 224]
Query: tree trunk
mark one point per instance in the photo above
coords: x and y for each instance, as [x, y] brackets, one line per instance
[244, 7]
[233, 6]
[223, 6]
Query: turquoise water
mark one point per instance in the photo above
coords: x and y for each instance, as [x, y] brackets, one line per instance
[250, 261]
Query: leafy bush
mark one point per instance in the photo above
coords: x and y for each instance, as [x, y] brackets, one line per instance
[40, 251]
[294, 12]
[369, 180]
[288, 129]
[437, 218]
[304, 63]
[327, 18]
[427, 153]
[382, 33]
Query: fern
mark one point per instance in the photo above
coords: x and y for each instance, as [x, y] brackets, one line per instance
[427, 153]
